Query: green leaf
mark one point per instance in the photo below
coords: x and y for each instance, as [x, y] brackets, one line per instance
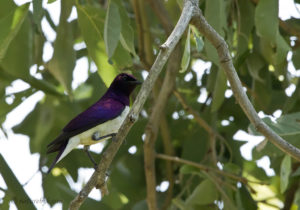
[204, 193]
[63, 61]
[266, 20]
[122, 57]
[127, 33]
[296, 58]
[285, 171]
[255, 63]
[245, 200]
[112, 28]
[185, 61]
[219, 91]
[188, 169]
[43, 126]
[297, 172]
[51, 1]
[287, 126]
[22, 40]
[199, 42]
[91, 21]
[246, 23]
[17, 193]
[38, 12]
[280, 61]
[10, 26]
[216, 17]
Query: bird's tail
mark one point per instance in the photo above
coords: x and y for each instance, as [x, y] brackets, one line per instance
[64, 149]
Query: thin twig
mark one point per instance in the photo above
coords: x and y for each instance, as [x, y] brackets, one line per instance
[226, 63]
[162, 14]
[169, 150]
[154, 121]
[203, 167]
[144, 37]
[153, 126]
[98, 177]
[173, 66]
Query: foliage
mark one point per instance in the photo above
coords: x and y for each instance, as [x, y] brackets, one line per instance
[114, 40]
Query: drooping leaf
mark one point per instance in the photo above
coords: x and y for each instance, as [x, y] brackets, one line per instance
[185, 61]
[287, 126]
[215, 16]
[219, 91]
[246, 23]
[255, 63]
[127, 34]
[296, 58]
[10, 26]
[266, 20]
[63, 61]
[38, 12]
[280, 61]
[22, 40]
[112, 28]
[285, 171]
[16, 191]
[187, 169]
[198, 39]
[43, 126]
[204, 193]
[245, 200]
[91, 21]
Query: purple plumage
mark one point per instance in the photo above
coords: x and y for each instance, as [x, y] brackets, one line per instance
[110, 106]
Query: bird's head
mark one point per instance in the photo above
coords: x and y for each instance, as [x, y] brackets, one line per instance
[124, 84]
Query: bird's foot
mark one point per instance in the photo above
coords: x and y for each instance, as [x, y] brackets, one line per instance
[114, 139]
[86, 149]
[96, 136]
[95, 166]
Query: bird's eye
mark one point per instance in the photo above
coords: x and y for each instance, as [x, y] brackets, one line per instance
[124, 77]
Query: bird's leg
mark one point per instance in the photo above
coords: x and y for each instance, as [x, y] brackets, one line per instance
[96, 136]
[86, 149]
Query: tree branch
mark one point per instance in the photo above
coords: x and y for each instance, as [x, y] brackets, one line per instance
[98, 177]
[226, 63]
[153, 126]
[159, 118]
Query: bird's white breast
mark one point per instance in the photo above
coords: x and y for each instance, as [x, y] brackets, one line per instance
[109, 127]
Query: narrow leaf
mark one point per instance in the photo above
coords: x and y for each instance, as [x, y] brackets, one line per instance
[285, 171]
[38, 12]
[112, 29]
[198, 39]
[185, 61]
[10, 26]
[91, 21]
[63, 60]
[266, 19]
[127, 33]
[204, 193]
[219, 91]
[15, 188]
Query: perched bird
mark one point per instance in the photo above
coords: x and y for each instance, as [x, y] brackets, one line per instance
[99, 122]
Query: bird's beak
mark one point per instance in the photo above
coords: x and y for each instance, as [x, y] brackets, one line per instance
[136, 82]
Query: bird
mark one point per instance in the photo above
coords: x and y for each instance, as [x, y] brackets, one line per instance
[99, 122]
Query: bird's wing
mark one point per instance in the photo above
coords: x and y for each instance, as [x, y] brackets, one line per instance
[98, 113]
